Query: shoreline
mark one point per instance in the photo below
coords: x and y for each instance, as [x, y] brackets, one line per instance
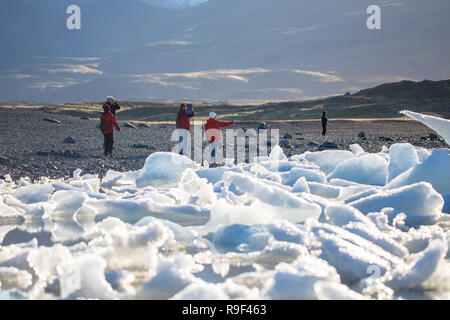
[35, 148]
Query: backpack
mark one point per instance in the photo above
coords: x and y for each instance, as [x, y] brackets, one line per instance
[104, 123]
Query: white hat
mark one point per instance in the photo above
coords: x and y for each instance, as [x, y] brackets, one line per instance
[212, 115]
[110, 98]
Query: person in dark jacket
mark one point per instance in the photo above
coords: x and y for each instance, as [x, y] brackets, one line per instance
[108, 132]
[113, 105]
[324, 123]
[183, 126]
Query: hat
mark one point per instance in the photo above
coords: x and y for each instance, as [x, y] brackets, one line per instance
[109, 98]
[212, 115]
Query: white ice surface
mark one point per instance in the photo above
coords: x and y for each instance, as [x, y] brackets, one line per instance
[322, 225]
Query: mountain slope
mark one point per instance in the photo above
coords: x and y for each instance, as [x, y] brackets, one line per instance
[233, 50]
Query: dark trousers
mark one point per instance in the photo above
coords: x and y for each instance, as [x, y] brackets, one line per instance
[324, 130]
[109, 142]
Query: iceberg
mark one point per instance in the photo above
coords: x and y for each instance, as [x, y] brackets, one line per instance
[441, 126]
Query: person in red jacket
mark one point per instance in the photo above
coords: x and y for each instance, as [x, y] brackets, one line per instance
[213, 134]
[107, 124]
[183, 126]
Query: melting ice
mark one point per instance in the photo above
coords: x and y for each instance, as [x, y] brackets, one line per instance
[321, 225]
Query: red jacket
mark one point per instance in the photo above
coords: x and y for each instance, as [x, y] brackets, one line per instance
[212, 129]
[111, 120]
[183, 120]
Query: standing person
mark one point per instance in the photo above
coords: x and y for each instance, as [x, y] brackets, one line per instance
[183, 126]
[213, 135]
[324, 123]
[113, 105]
[107, 124]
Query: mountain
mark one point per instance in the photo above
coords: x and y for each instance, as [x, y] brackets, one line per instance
[221, 50]
[384, 101]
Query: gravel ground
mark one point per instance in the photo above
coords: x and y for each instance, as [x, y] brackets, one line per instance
[32, 147]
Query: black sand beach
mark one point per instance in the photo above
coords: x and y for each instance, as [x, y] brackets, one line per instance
[32, 147]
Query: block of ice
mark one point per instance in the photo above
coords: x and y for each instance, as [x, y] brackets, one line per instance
[435, 170]
[67, 203]
[13, 278]
[351, 254]
[326, 290]
[366, 169]
[132, 210]
[422, 269]
[324, 190]
[377, 237]
[301, 185]
[402, 157]
[328, 160]
[172, 275]
[420, 202]
[340, 215]
[201, 291]
[292, 282]
[240, 238]
[163, 169]
[44, 260]
[310, 175]
[277, 154]
[441, 126]
[85, 277]
[214, 175]
[356, 148]
[33, 193]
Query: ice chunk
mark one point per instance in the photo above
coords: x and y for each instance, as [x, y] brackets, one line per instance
[292, 282]
[33, 193]
[422, 269]
[328, 160]
[324, 190]
[67, 203]
[127, 246]
[301, 185]
[163, 169]
[402, 157]
[310, 175]
[85, 277]
[326, 290]
[340, 215]
[366, 169]
[351, 254]
[277, 154]
[121, 281]
[435, 170]
[262, 173]
[268, 193]
[240, 238]
[441, 126]
[172, 275]
[7, 211]
[132, 210]
[356, 148]
[201, 291]
[44, 260]
[420, 202]
[13, 278]
[194, 189]
[214, 175]
[377, 237]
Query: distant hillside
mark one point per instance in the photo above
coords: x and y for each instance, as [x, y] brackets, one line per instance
[221, 50]
[384, 101]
